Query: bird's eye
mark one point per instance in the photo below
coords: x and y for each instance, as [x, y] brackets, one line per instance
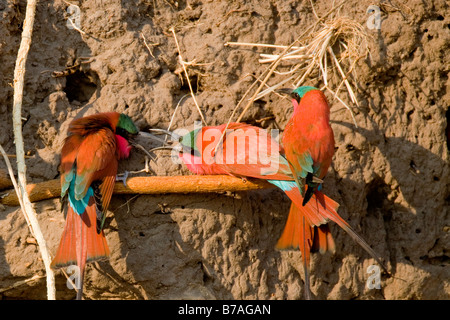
[180, 139]
[295, 96]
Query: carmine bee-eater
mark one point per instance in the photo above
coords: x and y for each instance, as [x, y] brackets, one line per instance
[308, 139]
[89, 161]
[248, 151]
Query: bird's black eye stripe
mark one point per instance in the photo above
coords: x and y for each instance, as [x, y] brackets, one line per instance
[122, 132]
[295, 96]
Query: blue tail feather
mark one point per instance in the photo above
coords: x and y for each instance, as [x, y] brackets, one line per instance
[79, 206]
[284, 185]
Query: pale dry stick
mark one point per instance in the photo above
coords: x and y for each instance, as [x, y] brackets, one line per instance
[75, 27]
[335, 95]
[21, 283]
[287, 56]
[307, 72]
[69, 280]
[269, 71]
[268, 87]
[230, 43]
[19, 75]
[16, 187]
[127, 204]
[270, 58]
[314, 10]
[147, 45]
[344, 76]
[317, 55]
[69, 3]
[273, 66]
[174, 112]
[266, 78]
[146, 167]
[293, 70]
[272, 88]
[14, 156]
[137, 145]
[343, 103]
[150, 136]
[19, 198]
[183, 64]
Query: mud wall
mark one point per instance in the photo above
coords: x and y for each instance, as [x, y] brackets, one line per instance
[390, 175]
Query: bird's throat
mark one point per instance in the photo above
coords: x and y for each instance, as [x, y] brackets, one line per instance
[123, 147]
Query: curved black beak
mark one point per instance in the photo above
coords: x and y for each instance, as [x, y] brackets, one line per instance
[290, 92]
[192, 151]
[284, 91]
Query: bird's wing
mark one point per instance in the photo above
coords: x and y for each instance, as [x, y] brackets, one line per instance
[96, 160]
[252, 152]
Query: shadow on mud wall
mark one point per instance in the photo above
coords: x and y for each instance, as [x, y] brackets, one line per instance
[179, 246]
[408, 213]
[4, 266]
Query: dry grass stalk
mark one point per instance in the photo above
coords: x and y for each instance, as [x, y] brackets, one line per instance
[270, 70]
[332, 49]
[149, 44]
[21, 283]
[183, 64]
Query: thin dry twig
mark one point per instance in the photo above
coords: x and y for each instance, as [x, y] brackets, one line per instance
[174, 112]
[270, 70]
[21, 283]
[183, 64]
[19, 75]
[319, 49]
[75, 27]
[137, 145]
[16, 186]
[148, 45]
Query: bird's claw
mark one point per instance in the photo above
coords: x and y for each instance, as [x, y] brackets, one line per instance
[316, 180]
[123, 177]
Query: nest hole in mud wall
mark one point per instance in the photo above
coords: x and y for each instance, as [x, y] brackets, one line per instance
[81, 86]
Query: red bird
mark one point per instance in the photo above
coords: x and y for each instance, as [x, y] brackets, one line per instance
[89, 161]
[308, 139]
[248, 151]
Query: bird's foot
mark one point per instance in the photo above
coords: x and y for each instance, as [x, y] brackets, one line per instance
[123, 177]
[316, 180]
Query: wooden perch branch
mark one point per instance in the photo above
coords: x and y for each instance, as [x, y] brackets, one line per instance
[150, 185]
[5, 182]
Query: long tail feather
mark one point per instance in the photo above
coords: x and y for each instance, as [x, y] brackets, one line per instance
[323, 240]
[306, 245]
[298, 234]
[80, 241]
[317, 212]
[347, 228]
[331, 214]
